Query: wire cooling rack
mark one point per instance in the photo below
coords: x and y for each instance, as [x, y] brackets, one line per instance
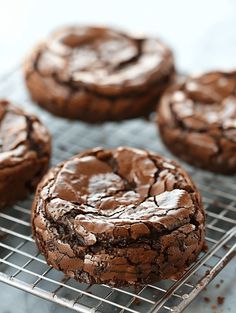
[22, 266]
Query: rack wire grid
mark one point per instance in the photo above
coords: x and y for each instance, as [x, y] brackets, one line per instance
[22, 266]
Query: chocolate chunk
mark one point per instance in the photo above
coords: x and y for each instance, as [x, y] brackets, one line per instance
[97, 218]
[98, 74]
[197, 121]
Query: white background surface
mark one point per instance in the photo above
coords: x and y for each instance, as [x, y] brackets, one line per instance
[202, 34]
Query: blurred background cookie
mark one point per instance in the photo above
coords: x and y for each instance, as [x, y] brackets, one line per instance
[197, 121]
[24, 153]
[98, 74]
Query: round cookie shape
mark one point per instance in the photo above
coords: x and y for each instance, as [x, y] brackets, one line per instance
[97, 74]
[197, 121]
[25, 148]
[118, 216]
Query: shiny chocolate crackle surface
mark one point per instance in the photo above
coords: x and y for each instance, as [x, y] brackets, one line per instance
[25, 150]
[97, 74]
[197, 121]
[118, 216]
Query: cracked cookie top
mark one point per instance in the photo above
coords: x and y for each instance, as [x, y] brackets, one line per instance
[103, 60]
[204, 104]
[116, 194]
[22, 136]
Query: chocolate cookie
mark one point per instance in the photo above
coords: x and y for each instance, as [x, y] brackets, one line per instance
[197, 121]
[24, 153]
[97, 74]
[120, 216]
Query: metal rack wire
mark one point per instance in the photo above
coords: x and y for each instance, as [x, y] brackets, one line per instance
[22, 266]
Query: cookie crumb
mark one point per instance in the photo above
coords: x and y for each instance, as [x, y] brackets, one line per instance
[137, 301]
[207, 299]
[217, 285]
[220, 300]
